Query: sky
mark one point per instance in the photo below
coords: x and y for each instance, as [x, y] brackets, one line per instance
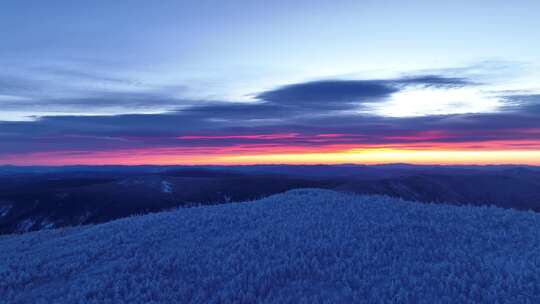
[246, 82]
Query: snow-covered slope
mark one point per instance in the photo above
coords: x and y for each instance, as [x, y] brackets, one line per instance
[303, 246]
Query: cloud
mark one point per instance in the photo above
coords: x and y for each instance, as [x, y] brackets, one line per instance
[17, 86]
[65, 89]
[87, 75]
[217, 125]
[435, 81]
[328, 94]
[526, 103]
[311, 115]
[99, 100]
[81, 89]
[485, 70]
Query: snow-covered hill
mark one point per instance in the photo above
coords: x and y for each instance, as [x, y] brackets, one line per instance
[303, 246]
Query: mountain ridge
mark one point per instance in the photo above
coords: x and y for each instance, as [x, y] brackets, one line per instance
[33, 201]
[284, 249]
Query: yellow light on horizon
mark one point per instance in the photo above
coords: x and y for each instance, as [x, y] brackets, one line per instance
[377, 156]
[357, 156]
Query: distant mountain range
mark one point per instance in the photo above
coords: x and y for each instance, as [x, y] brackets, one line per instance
[34, 198]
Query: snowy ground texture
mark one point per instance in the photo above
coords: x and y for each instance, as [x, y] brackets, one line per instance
[303, 246]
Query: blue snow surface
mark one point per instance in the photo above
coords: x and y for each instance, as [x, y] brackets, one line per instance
[303, 246]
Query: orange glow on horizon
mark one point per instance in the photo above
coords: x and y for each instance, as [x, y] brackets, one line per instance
[281, 155]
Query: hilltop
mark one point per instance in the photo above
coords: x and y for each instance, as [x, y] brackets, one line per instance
[302, 246]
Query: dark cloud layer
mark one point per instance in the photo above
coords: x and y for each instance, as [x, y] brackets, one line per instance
[96, 133]
[335, 94]
[348, 94]
[306, 114]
